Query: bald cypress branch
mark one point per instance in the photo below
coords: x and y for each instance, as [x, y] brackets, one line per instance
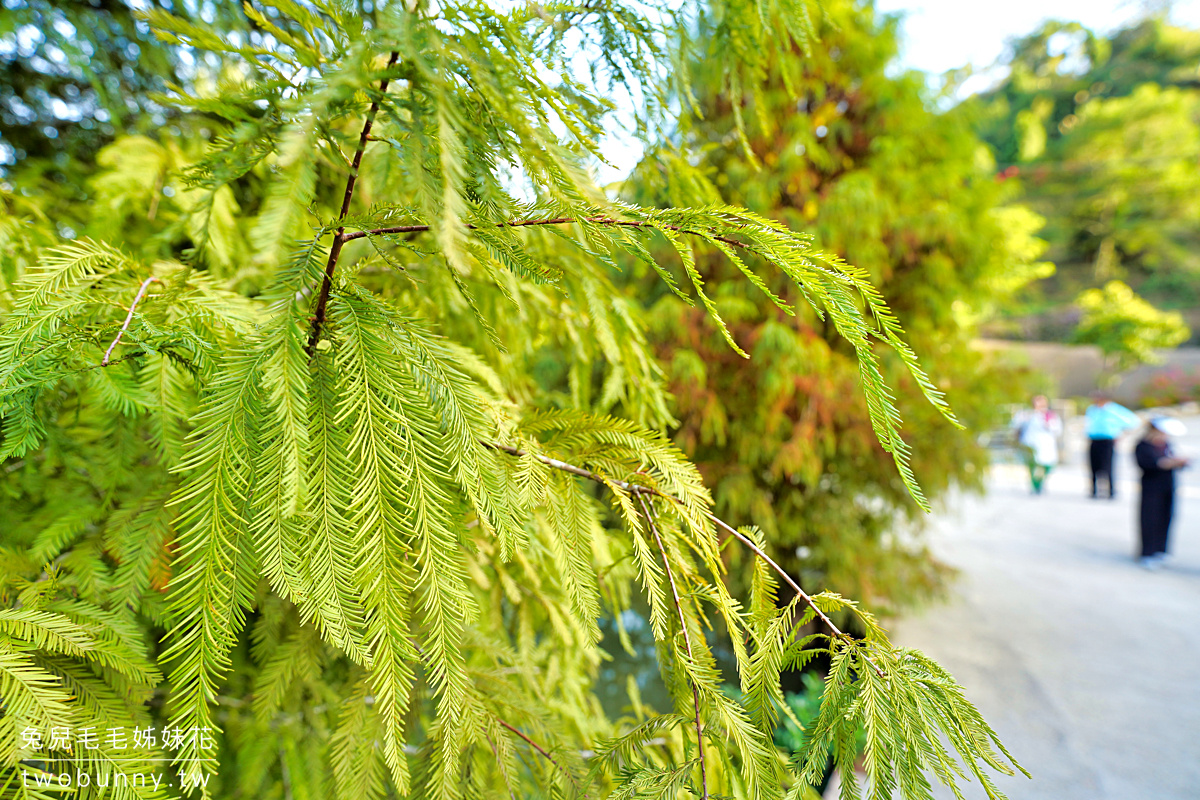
[339, 237]
[642, 491]
[522, 223]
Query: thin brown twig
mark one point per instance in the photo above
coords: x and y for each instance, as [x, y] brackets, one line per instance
[128, 318]
[339, 238]
[640, 490]
[771, 562]
[722, 524]
[543, 753]
[523, 735]
[687, 640]
[633, 488]
[521, 223]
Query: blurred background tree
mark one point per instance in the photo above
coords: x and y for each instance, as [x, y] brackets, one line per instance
[1126, 328]
[86, 146]
[859, 156]
[1103, 135]
[73, 76]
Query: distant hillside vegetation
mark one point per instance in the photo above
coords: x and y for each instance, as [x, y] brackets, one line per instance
[1103, 135]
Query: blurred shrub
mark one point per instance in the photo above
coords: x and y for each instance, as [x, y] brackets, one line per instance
[1172, 387]
[1125, 327]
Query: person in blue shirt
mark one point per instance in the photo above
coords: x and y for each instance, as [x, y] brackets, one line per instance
[1106, 421]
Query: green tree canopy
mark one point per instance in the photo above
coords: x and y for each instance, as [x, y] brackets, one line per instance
[73, 76]
[1103, 134]
[1064, 65]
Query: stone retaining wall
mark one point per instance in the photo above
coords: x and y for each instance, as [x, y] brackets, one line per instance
[1076, 369]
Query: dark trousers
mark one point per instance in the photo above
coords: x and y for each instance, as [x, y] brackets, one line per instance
[1100, 454]
[1158, 505]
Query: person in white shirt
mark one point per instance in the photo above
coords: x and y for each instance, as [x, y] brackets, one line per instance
[1038, 430]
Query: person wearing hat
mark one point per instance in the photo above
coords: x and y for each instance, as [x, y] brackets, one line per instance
[1158, 464]
[1106, 421]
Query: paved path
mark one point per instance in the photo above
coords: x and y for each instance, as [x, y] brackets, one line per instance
[1087, 666]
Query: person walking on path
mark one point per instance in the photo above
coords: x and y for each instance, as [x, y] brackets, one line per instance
[1158, 463]
[1106, 421]
[1038, 430]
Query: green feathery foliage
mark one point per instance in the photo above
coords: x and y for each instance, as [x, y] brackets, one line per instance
[321, 463]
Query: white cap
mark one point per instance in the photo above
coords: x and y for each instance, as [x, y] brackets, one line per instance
[1169, 426]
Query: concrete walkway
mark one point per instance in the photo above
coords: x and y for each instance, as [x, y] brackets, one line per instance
[1087, 666]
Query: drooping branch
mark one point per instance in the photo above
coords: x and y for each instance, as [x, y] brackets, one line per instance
[522, 223]
[546, 755]
[687, 640]
[741, 537]
[641, 491]
[128, 318]
[339, 238]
